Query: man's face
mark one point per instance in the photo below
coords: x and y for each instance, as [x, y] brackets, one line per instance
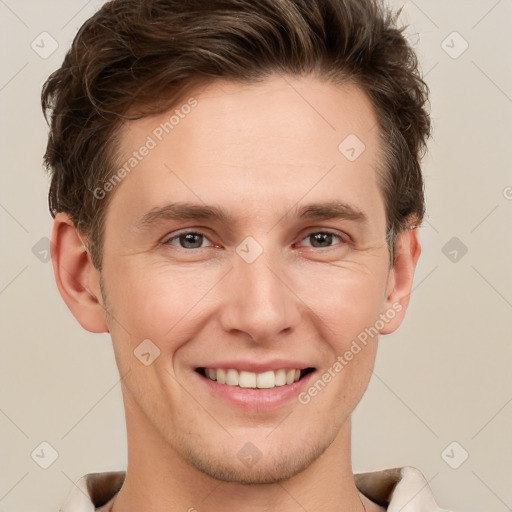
[261, 153]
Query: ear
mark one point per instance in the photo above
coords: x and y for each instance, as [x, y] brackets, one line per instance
[400, 279]
[76, 277]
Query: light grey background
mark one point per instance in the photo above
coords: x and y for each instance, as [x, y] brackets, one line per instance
[443, 377]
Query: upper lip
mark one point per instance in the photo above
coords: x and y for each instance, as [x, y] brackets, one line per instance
[258, 366]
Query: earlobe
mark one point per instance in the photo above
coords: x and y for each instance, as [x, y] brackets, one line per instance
[401, 277]
[75, 275]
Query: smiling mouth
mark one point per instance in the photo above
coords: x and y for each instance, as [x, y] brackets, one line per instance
[245, 379]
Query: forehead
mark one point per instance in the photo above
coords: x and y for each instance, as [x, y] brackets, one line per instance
[255, 147]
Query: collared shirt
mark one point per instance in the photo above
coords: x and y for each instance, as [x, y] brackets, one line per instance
[397, 489]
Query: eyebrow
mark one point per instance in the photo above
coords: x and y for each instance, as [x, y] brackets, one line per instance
[192, 211]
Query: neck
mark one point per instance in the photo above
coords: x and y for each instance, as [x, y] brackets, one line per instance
[160, 480]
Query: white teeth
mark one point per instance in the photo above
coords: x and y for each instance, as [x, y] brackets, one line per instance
[280, 378]
[221, 376]
[244, 379]
[265, 380]
[232, 378]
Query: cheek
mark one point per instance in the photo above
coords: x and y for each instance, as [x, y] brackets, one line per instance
[348, 314]
[347, 298]
[157, 303]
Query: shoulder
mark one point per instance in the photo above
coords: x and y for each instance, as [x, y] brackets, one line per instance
[402, 488]
[92, 491]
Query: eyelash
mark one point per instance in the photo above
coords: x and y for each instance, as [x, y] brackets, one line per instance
[175, 237]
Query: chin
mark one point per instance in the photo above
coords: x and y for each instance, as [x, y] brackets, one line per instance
[252, 466]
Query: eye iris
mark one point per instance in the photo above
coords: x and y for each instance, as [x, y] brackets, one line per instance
[322, 238]
[189, 238]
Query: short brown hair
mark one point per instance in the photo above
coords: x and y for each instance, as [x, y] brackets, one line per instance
[137, 57]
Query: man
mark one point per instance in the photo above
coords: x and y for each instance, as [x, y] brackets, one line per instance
[237, 191]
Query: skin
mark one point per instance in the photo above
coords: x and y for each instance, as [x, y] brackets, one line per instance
[259, 151]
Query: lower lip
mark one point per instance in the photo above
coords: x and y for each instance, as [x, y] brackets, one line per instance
[251, 399]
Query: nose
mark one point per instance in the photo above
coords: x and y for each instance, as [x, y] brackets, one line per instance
[259, 298]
